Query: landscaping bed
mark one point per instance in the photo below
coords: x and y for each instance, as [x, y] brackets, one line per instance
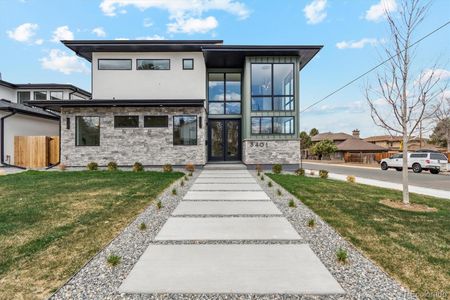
[52, 223]
[413, 247]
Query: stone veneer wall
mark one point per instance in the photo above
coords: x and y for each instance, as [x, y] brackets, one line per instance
[149, 146]
[271, 151]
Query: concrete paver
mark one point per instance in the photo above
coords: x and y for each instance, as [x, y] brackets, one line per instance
[226, 187]
[226, 208]
[229, 195]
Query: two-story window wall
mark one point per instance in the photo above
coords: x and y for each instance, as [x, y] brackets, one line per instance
[224, 93]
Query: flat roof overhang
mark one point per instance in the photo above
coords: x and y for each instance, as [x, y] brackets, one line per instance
[58, 104]
[217, 56]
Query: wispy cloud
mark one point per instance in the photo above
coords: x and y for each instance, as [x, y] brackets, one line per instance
[315, 11]
[351, 107]
[433, 74]
[193, 25]
[99, 31]
[151, 37]
[147, 23]
[378, 11]
[58, 60]
[62, 33]
[358, 44]
[25, 33]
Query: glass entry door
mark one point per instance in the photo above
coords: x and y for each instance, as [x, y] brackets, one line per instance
[224, 138]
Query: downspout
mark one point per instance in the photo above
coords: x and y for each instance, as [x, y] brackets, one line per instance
[2, 152]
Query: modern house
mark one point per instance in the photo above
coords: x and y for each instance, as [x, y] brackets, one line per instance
[20, 119]
[394, 143]
[184, 101]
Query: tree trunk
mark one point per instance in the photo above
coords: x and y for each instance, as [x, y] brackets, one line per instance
[405, 169]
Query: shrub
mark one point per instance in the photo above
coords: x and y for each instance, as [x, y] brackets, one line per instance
[190, 167]
[92, 166]
[311, 223]
[300, 172]
[112, 166]
[142, 226]
[292, 203]
[258, 169]
[277, 168]
[174, 191]
[190, 174]
[342, 255]
[138, 167]
[323, 174]
[279, 192]
[62, 167]
[167, 168]
[351, 179]
[159, 204]
[312, 173]
[186, 178]
[182, 183]
[113, 260]
[269, 184]
[262, 177]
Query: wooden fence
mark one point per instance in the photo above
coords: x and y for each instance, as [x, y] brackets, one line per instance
[36, 151]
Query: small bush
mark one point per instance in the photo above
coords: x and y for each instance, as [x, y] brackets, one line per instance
[300, 172]
[138, 167]
[262, 177]
[269, 184]
[342, 255]
[186, 178]
[174, 191]
[142, 226]
[112, 166]
[312, 173]
[159, 204]
[258, 169]
[182, 183]
[62, 167]
[92, 166]
[167, 168]
[190, 167]
[351, 179]
[113, 260]
[190, 174]
[323, 174]
[311, 223]
[277, 168]
[279, 193]
[292, 203]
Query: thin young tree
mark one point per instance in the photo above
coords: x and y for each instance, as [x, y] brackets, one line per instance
[400, 98]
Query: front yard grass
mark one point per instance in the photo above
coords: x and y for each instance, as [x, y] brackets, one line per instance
[51, 223]
[413, 247]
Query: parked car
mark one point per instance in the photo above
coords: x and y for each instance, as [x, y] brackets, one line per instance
[417, 161]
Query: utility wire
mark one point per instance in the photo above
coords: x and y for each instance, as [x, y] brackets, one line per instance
[375, 67]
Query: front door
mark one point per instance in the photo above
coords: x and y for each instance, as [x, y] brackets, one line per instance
[224, 138]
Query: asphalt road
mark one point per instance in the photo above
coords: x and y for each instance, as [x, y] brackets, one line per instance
[424, 179]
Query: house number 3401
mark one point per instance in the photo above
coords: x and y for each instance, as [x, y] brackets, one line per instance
[258, 144]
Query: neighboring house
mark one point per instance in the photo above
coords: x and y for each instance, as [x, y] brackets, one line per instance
[19, 119]
[180, 102]
[394, 143]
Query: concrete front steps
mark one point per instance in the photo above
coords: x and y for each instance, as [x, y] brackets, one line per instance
[228, 237]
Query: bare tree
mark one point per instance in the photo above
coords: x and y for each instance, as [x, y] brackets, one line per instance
[400, 98]
[440, 113]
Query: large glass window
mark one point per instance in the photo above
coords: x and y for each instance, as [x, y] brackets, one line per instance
[156, 121]
[224, 93]
[272, 87]
[56, 95]
[126, 121]
[153, 64]
[40, 95]
[273, 125]
[114, 64]
[185, 130]
[23, 96]
[87, 131]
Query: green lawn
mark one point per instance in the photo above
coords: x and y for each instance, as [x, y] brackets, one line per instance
[413, 247]
[51, 223]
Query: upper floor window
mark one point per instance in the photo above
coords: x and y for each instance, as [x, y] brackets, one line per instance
[114, 64]
[272, 87]
[87, 131]
[38, 95]
[188, 64]
[126, 121]
[56, 95]
[153, 64]
[224, 93]
[23, 96]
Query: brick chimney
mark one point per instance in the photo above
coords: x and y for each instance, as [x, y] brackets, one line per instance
[355, 133]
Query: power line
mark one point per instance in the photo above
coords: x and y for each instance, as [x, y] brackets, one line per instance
[373, 68]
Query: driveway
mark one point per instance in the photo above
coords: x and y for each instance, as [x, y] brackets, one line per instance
[424, 179]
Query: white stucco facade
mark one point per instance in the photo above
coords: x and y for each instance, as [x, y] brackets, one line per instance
[175, 83]
[7, 93]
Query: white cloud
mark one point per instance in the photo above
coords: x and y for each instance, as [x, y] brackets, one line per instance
[315, 11]
[152, 37]
[58, 60]
[62, 33]
[357, 44]
[193, 25]
[39, 41]
[99, 31]
[147, 23]
[378, 11]
[121, 39]
[435, 74]
[23, 33]
[351, 107]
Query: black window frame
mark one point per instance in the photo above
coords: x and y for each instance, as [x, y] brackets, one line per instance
[157, 116]
[139, 59]
[272, 125]
[272, 95]
[62, 95]
[120, 59]
[45, 92]
[189, 69]
[125, 127]
[76, 131]
[225, 101]
[20, 100]
[196, 130]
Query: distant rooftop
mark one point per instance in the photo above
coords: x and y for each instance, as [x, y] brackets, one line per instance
[7, 105]
[338, 136]
[45, 86]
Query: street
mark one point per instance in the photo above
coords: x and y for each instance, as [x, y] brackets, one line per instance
[424, 179]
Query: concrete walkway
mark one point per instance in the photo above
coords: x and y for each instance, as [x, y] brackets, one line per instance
[227, 236]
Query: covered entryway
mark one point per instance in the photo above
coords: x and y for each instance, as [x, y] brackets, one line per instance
[224, 139]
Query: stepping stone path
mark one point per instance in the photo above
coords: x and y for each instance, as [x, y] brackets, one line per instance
[228, 237]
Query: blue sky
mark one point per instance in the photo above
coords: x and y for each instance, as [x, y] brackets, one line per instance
[352, 32]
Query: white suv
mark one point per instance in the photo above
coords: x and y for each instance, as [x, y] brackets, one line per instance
[435, 162]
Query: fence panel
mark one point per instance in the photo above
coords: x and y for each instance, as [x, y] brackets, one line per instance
[36, 151]
[53, 156]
